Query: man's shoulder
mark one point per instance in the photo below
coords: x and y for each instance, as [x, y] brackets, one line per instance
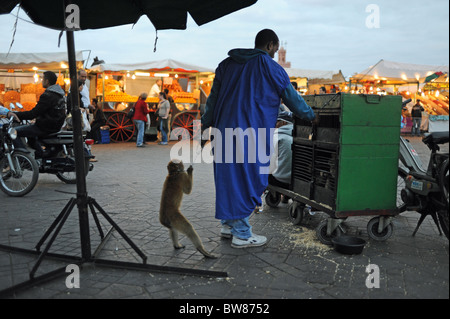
[273, 64]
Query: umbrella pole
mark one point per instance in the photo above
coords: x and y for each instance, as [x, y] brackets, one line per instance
[80, 169]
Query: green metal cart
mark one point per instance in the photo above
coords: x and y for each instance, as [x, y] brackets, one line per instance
[347, 164]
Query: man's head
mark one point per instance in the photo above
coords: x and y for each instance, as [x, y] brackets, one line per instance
[82, 75]
[49, 79]
[267, 40]
[159, 82]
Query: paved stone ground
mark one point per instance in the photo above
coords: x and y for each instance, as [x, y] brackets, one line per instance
[127, 182]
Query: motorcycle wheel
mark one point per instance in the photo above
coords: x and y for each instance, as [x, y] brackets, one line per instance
[444, 181]
[25, 177]
[401, 206]
[71, 177]
[443, 221]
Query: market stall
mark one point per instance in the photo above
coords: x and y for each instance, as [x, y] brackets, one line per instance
[21, 76]
[426, 83]
[309, 81]
[118, 87]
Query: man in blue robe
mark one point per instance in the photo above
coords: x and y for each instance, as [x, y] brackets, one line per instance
[242, 110]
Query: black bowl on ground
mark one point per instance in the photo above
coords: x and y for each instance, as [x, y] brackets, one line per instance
[348, 245]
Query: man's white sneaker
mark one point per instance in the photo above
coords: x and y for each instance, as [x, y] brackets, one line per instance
[254, 241]
[226, 232]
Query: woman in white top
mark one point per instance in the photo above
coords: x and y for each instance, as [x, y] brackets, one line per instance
[163, 111]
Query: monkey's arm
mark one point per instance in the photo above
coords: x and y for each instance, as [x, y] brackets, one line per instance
[187, 180]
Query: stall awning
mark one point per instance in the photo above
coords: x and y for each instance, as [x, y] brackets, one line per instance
[155, 66]
[323, 75]
[398, 73]
[43, 60]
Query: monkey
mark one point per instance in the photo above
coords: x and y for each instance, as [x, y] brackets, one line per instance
[178, 181]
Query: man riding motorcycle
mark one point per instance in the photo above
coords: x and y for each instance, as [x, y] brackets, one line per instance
[49, 113]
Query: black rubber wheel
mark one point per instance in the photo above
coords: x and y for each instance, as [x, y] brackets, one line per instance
[71, 177]
[401, 206]
[372, 230]
[443, 221]
[296, 213]
[25, 177]
[443, 180]
[273, 200]
[321, 232]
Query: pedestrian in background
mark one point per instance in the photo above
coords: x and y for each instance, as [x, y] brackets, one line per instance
[416, 114]
[163, 113]
[98, 121]
[140, 118]
[156, 89]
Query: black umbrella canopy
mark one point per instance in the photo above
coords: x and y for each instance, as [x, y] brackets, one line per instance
[96, 14]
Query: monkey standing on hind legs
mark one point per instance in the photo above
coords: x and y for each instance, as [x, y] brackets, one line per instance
[177, 182]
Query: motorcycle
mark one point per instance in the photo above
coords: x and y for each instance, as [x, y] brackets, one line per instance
[19, 170]
[59, 157]
[425, 189]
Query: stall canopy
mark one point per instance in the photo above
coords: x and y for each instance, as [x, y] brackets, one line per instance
[17, 69]
[42, 61]
[162, 65]
[396, 73]
[323, 76]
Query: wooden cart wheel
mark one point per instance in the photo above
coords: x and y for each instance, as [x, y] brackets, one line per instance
[183, 123]
[121, 128]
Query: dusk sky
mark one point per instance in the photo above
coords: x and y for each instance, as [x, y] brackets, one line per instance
[347, 35]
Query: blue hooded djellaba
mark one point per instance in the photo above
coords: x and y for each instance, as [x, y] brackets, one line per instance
[242, 109]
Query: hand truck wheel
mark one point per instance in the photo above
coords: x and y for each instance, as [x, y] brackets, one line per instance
[380, 228]
[296, 213]
[323, 233]
[273, 199]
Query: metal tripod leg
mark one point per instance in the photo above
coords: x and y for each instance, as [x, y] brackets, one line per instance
[62, 219]
[422, 218]
[94, 215]
[70, 204]
[120, 231]
[435, 218]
